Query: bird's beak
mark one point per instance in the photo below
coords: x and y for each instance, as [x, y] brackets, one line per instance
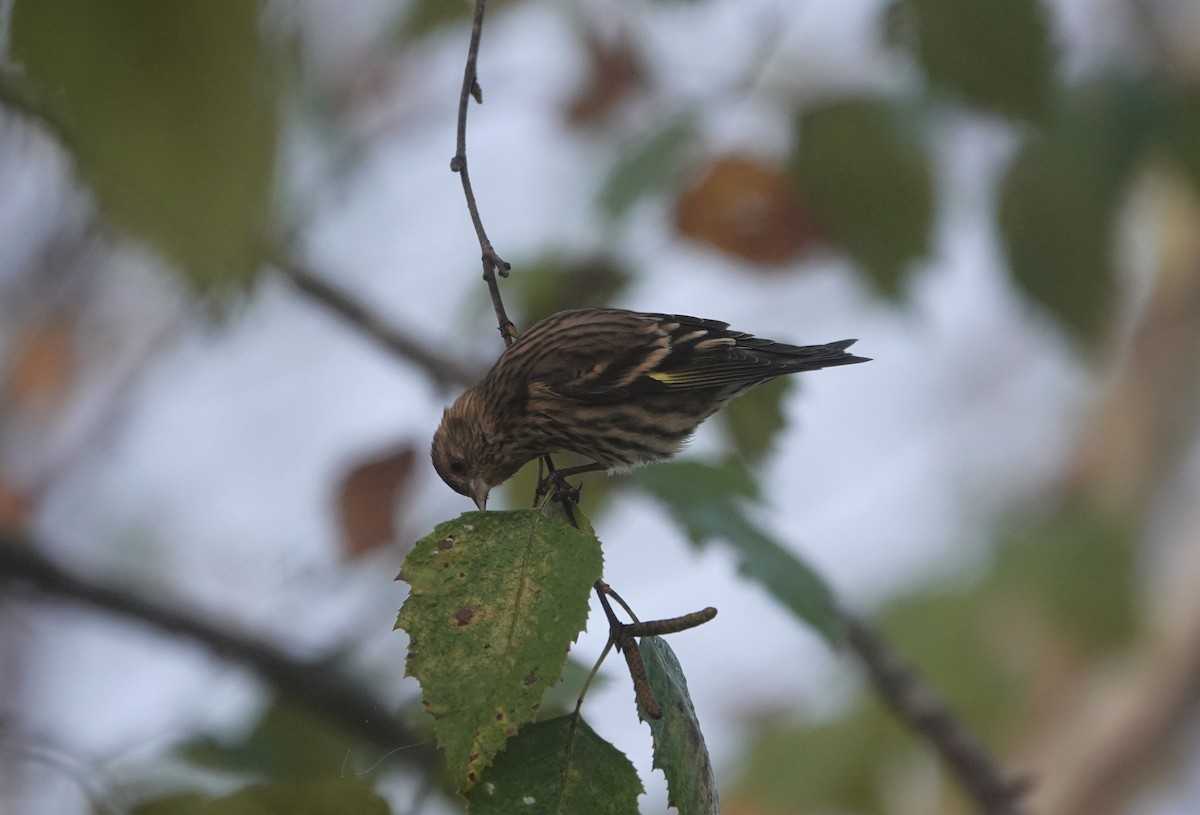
[479, 492]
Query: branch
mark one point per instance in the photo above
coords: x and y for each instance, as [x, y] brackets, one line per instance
[312, 684]
[921, 707]
[444, 370]
[493, 264]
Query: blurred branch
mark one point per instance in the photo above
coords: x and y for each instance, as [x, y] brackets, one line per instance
[924, 711]
[444, 370]
[1130, 721]
[1127, 718]
[493, 264]
[314, 685]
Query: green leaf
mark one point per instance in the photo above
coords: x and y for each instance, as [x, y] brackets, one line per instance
[1184, 136]
[755, 419]
[425, 16]
[344, 796]
[847, 764]
[556, 284]
[167, 110]
[704, 500]
[1078, 569]
[289, 741]
[496, 599]
[996, 54]
[679, 749]
[558, 767]
[945, 634]
[649, 166]
[1058, 203]
[867, 180]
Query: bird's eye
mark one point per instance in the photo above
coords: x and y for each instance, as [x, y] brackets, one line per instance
[458, 467]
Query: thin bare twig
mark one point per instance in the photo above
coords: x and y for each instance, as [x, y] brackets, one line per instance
[314, 685]
[921, 707]
[442, 369]
[493, 264]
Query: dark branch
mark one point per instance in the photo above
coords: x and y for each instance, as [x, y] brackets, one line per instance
[925, 711]
[443, 369]
[493, 264]
[314, 685]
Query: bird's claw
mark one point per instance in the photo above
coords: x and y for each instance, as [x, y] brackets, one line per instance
[557, 488]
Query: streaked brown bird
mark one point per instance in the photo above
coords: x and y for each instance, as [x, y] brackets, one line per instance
[621, 388]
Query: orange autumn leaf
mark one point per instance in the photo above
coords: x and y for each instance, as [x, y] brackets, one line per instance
[614, 73]
[749, 210]
[41, 366]
[367, 498]
[14, 508]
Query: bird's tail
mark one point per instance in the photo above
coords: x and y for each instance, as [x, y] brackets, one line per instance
[814, 357]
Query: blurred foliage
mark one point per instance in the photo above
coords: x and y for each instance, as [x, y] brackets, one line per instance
[830, 767]
[369, 495]
[546, 287]
[754, 419]
[679, 749]
[711, 503]
[867, 178]
[344, 796]
[995, 54]
[556, 767]
[1076, 571]
[288, 742]
[648, 166]
[168, 110]
[749, 210]
[984, 647]
[1059, 203]
[615, 73]
[1184, 133]
[425, 16]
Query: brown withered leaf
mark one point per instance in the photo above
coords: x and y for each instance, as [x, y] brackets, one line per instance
[14, 507]
[42, 366]
[749, 210]
[614, 72]
[367, 499]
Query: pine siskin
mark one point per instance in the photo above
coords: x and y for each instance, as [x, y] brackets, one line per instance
[622, 388]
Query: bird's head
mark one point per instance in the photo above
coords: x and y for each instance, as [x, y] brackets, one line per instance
[464, 453]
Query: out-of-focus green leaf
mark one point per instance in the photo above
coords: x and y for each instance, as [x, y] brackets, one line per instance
[867, 180]
[554, 285]
[955, 643]
[426, 15]
[948, 638]
[708, 503]
[1077, 570]
[837, 766]
[287, 743]
[344, 796]
[496, 599]
[558, 767]
[167, 109]
[648, 167]
[1184, 136]
[1058, 203]
[679, 749]
[994, 53]
[560, 699]
[755, 419]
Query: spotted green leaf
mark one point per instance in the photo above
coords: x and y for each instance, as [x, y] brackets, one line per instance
[496, 599]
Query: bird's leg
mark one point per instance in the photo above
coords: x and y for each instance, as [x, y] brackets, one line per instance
[555, 484]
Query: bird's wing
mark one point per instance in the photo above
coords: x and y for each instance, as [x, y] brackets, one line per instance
[676, 353]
